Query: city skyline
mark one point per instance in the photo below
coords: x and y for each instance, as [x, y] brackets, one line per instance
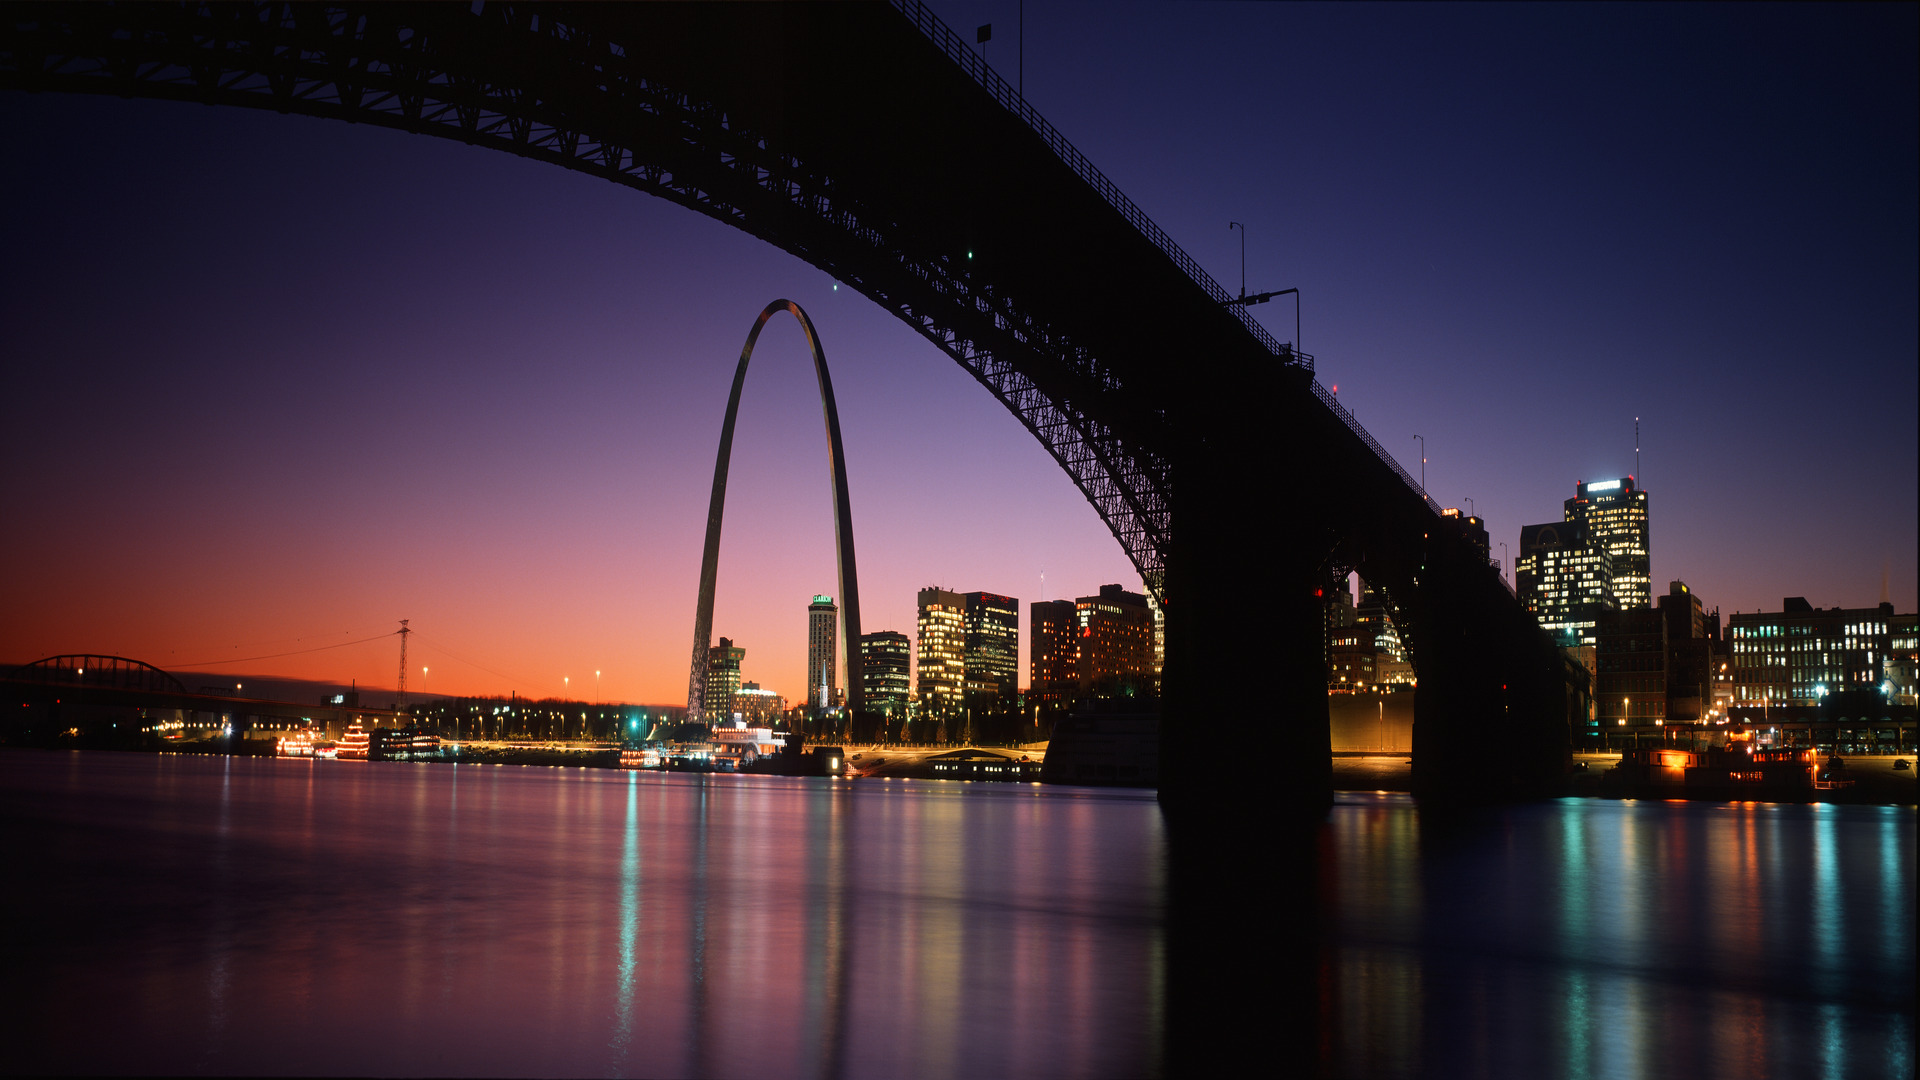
[409, 379]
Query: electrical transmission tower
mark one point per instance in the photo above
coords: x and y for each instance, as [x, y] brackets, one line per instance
[401, 705]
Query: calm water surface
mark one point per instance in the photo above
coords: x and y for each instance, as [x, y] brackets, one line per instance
[199, 914]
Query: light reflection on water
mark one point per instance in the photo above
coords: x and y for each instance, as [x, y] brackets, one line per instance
[1597, 939]
[244, 915]
[198, 914]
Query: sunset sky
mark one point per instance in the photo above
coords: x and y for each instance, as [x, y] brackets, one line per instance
[274, 383]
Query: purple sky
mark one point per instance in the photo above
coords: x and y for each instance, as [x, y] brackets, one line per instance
[275, 382]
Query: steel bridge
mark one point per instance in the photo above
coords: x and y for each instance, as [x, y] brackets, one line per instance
[77, 685]
[869, 141]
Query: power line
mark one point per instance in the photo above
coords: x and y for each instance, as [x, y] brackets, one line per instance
[276, 656]
[428, 644]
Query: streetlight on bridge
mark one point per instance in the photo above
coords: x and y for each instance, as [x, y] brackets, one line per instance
[1243, 300]
[1423, 463]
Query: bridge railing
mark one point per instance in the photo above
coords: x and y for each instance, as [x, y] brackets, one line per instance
[1327, 399]
[956, 49]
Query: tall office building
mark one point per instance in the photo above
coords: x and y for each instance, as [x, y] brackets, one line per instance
[992, 650]
[1615, 514]
[1470, 528]
[1372, 621]
[1116, 644]
[723, 680]
[943, 657]
[1053, 658]
[1336, 614]
[886, 661]
[1565, 577]
[1656, 667]
[823, 652]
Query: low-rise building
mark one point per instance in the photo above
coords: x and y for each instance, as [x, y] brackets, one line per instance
[756, 707]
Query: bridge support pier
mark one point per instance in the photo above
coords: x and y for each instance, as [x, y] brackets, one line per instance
[1246, 774]
[1491, 709]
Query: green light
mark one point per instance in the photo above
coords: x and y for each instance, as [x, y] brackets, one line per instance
[969, 254]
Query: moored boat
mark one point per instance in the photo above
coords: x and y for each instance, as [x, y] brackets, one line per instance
[355, 743]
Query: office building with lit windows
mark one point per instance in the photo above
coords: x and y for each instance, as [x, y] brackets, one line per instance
[1115, 644]
[1615, 515]
[823, 653]
[1800, 654]
[723, 680]
[886, 661]
[941, 681]
[992, 650]
[1565, 577]
[1374, 623]
[757, 707]
[1053, 658]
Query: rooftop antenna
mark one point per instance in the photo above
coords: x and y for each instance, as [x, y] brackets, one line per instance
[1636, 454]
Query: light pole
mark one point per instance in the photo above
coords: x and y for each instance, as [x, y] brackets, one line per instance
[1508, 567]
[1232, 225]
[1470, 510]
[1243, 300]
[1423, 463]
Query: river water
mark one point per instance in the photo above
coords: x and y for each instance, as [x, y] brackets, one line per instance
[189, 914]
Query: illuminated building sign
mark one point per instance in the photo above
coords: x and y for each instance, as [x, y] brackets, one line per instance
[1609, 485]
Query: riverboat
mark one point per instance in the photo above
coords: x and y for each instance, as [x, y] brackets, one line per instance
[737, 747]
[400, 744]
[355, 743]
[635, 757]
[301, 744]
[1739, 772]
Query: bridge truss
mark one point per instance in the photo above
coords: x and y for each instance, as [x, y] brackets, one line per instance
[579, 87]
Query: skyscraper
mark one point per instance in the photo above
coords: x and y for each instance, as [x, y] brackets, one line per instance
[1116, 644]
[886, 661]
[1565, 577]
[1615, 514]
[943, 658]
[1053, 658]
[1374, 622]
[823, 652]
[992, 650]
[723, 681]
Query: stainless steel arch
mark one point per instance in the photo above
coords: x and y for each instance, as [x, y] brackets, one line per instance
[842, 521]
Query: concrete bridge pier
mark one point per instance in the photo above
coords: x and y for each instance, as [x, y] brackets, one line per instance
[1491, 709]
[1246, 774]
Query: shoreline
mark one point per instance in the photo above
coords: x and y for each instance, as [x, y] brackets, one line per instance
[1353, 772]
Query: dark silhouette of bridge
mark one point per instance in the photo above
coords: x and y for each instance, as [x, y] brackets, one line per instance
[869, 141]
[80, 685]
